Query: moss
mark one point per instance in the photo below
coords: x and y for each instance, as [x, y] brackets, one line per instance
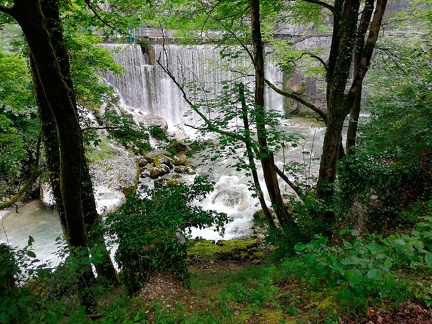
[225, 250]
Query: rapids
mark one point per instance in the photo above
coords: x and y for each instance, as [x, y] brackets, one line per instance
[145, 87]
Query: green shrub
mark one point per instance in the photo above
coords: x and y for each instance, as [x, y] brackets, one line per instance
[365, 267]
[152, 231]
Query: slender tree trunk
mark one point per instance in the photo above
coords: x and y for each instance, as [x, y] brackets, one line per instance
[358, 51]
[250, 154]
[348, 36]
[362, 58]
[337, 105]
[266, 156]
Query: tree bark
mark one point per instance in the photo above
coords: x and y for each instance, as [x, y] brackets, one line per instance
[250, 154]
[358, 50]
[106, 268]
[347, 41]
[46, 68]
[337, 106]
[362, 61]
[266, 156]
[51, 143]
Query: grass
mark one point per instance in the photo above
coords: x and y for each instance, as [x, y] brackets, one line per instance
[245, 291]
[229, 284]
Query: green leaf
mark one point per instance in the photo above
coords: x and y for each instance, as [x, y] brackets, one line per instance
[351, 260]
[31, 254]
[374, 274]
[137, 317]
[399, 242]
[388, 263]
[4, 318]
[346, 295]
[30, 240]
[388, 281]
[354, 276]
[428, 259]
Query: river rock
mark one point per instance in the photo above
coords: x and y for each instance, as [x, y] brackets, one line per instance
[163, 159]
[166, 182]
[180, 160]
[113, 180]
[179, 147]
[148, 120]
[152, 155]
[158, 171]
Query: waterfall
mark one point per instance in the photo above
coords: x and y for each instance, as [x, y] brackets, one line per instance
[199, 68]
[203, 70]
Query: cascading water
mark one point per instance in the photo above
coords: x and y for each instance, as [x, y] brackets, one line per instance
[200, 69]
[147, 88]
[202, 72]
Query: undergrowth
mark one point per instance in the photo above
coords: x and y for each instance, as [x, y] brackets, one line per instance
[360, 277]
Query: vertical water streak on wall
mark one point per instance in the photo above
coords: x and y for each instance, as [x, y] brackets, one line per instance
[199, 68]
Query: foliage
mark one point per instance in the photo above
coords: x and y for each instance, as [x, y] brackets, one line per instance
[257, 290]
[391, 165]
[364, 267]
[306, 225]
[152, 231]
[127, 133]
[18, 266]
[18, 120]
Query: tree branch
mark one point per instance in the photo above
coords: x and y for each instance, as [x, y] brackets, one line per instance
[289, 182]
[327, 6]
[298, 99]
[98, 16]
[195, 108]
[7, 10]
[29, 182]
[304, 37]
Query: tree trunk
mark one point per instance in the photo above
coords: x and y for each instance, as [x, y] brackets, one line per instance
[346, 37]
[362, 58]
[266, 156]
[28, 14]
[358, 50]
[337, 106]
[250, 154]
[106, 268]
[52, 148]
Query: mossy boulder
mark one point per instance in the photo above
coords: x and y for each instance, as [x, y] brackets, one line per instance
[158, 171]
[180, 160]
[225, 250]
[162, 159]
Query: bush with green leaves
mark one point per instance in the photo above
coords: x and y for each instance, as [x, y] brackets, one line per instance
[364, 266]
[307, 225]
[152, 230]
[393, 158]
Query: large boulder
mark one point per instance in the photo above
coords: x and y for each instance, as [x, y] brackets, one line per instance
[113, 180]
[149, 120]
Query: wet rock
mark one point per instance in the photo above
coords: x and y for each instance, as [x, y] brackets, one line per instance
[141, 161]
[165, 182]
[180, 160]
[152, 120]
[151, 156]
[180, 169]
[179, 147]
[158, 171]
[163, 159]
